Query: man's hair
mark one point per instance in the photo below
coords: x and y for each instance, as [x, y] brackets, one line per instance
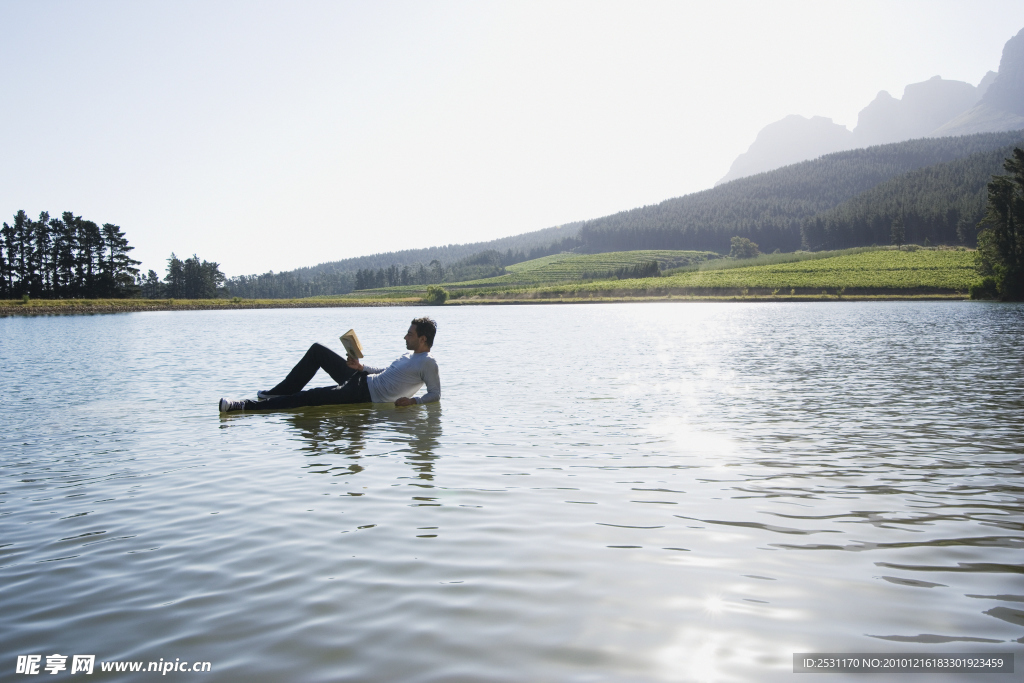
[425, 327]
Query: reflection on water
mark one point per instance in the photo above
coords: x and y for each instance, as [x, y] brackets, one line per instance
[342, 431]
[607, 492]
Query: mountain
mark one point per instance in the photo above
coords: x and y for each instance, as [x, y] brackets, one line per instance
[850, 198]
[1002, 105]
[1007, 90]
[924, 107]
[771, 208]
[932, 108]
[794, 138]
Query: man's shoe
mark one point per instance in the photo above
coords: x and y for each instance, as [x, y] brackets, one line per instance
[263, 394]
[227, 406]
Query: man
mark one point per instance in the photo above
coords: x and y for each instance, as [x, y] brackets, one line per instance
[356, 383]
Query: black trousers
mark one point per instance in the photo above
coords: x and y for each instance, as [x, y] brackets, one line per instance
[351, 384]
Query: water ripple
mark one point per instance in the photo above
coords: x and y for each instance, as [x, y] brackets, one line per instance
[600, 496]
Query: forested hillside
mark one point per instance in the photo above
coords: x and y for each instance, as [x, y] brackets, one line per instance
[847, 199]
[448, 254]
[410, 266]
[940, 204]
[770, 208]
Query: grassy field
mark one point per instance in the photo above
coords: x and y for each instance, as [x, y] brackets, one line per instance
[868, 269]
[575, 267]
[896, 270]
[878, 271]
[769, 259]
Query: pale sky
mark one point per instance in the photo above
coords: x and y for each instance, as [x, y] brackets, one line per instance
[270, 135]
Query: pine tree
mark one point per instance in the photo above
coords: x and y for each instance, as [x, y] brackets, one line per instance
[19, 252]
[118, 270]
[42, 242]
[175, 278]
[65, 244]
[1001, 241]
[6, 241]
[90, 255]
[898, 232]
[151, 286]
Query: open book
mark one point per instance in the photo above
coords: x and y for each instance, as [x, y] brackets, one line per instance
[351, 343]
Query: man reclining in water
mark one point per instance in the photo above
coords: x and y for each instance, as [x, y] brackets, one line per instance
[356, 383]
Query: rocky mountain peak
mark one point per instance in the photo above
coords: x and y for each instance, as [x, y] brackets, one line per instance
[933, 108]
[1007, 89]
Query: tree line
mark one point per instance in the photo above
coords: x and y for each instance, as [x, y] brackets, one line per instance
[939, 204]
[289, 285]
[65, 257]
[1001, 240]
[368, 278]
[640, 270]
[73, 258]
[188, 279]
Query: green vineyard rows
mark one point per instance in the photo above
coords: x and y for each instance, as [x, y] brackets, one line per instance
[874, 270]
[940, 270]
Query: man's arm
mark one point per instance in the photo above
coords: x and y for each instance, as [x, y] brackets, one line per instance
[357, 366]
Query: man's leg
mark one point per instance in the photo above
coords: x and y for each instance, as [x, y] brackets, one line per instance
[318, 356]
[354, 390]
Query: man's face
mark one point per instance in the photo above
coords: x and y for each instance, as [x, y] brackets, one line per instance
[412, 340]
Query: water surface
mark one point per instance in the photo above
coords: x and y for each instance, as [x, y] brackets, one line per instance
[641, 492]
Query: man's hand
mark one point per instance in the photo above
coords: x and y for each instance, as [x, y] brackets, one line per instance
[354, 363]
[405, 402]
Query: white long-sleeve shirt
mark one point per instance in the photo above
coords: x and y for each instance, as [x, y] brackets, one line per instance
[403, 378]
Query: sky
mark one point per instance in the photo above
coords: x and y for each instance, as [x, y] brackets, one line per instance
[271, 135]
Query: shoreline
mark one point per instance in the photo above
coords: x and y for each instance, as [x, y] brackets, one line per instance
[46, 307]
[725, 298]
[41, 307]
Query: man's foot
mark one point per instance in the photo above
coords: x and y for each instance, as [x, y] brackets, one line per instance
[263, 394]
[227, 406]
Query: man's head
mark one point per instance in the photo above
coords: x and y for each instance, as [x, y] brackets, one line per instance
[420, 336]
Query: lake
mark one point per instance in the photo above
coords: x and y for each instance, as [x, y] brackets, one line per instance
[613, 492]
